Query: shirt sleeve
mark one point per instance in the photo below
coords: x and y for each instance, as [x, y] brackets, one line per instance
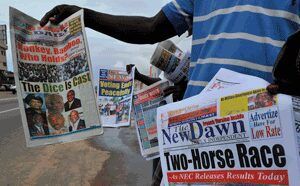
[180, 14]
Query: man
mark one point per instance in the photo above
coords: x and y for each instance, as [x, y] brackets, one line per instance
[35, 104]
[39, 127]
[244, 36]
[57, 122]
[107, 109]
[54, 103]
[112, 108]
[75, 122]
[264, 99]
[72, 102]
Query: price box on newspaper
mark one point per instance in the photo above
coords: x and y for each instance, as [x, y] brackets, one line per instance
[246, 138]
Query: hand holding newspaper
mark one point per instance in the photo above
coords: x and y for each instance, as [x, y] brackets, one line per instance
[54, 80]
[172, 61]
[233, 132]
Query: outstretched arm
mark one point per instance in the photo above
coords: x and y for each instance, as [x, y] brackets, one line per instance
[131, 29]
[147, 80]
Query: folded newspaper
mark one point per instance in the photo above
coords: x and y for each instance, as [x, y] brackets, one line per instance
[54, 80]
[115, 91]
[173, 61]
[146, 102]
[233, 132]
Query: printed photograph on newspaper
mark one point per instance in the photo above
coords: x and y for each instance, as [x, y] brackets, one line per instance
[173, 61]
[244, 138]
[115, 91]
[146, 102]
[54, 80]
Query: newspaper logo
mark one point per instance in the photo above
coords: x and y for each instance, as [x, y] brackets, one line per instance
[103, 73]
[208, 132]
[265, 124]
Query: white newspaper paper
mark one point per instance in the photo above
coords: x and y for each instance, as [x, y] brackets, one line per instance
[115, 90]
[170, 59]
[225, 82]
[146, 102]
[54, 80]
[242, 136]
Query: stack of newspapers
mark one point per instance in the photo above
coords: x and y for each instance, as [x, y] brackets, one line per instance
[233, 132]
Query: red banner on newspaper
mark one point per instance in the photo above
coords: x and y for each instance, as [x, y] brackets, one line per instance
[231, 176]
[149, 95]
[201, 113]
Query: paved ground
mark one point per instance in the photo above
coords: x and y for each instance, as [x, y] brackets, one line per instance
[6, 94]
[109, 159]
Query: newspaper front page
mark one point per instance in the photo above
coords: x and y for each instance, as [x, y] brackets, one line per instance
[115, 91]
[54, 80]
[242, 137]
[170, 59]
[146, 101]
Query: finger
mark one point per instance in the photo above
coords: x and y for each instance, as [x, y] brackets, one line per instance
[169, 90]
[52, 19]
[57, 19]
[284, 89]
[273, 88]
[48, 15]
[128, 69]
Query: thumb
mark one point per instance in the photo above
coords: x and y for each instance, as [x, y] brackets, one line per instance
[57, 19]
[273, 88]
[290, 89]
[129, 68]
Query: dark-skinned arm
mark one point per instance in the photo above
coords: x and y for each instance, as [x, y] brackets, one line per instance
[286, 71]
[147, 80]
[177, 90]
[130, 29]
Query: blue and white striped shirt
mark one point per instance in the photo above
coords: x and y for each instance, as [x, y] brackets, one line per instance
[241, 35]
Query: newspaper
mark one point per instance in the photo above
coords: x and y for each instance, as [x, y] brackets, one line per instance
[296, 107]
[146, 101]
[227, 81]
[115, 91]
[244, 136]
[54, 80]
[170, 59]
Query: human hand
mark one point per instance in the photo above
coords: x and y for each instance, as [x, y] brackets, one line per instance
[286, 71]
[59, 13]
[169, 90]
[129, 69]
[177, 91]
[284, 88]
